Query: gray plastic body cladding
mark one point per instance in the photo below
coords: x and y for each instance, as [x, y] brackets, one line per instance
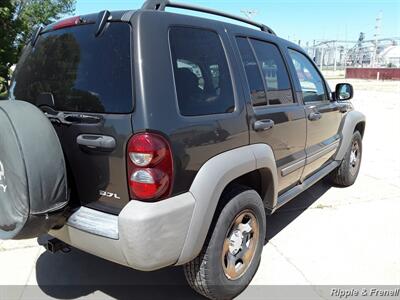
[34, 171]
[156, 237]
[150, 235]
[348, 125]
[210, 182]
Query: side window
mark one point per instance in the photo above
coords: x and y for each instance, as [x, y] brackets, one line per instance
[202, 79]
[311, 83]
[276, 77]
[253, 74]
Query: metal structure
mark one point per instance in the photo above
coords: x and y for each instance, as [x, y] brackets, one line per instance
[334, 54]
[357, 53]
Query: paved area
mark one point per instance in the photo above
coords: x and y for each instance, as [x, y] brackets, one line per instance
[326, 236]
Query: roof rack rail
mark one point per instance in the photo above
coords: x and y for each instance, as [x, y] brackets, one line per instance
[162, 4]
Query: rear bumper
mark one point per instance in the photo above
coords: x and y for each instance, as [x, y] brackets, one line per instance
[145, 236]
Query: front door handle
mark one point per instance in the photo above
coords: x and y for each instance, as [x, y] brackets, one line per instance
[314, 116]
[94, 141]
[263, 125]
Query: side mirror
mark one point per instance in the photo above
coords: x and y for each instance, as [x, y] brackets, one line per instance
[344, 91]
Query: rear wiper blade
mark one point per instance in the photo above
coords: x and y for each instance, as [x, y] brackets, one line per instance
[82, 118]
[60, 117]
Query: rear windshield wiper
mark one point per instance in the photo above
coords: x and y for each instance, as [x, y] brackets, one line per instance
[59, 117]
[82, 118]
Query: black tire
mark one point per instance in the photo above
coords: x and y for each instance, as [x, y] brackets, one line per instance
[346, 174]
[206, 273]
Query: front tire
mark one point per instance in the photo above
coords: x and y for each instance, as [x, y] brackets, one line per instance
[229, 261]
[346, 174]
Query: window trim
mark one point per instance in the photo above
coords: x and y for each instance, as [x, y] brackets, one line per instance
[260, 72]
[215, 116]
[258, 67]
[319, 73]
[292, 85]
[263, 77]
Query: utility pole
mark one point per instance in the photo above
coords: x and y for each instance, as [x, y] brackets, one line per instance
[314, 51]
[322, 57]
[334, 56]
[249, 13]
[376, 36]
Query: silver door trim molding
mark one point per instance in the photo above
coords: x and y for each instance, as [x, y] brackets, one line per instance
[329, 148]
[307, 160]
[293, 167]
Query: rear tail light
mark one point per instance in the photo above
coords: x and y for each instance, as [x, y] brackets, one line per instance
[150, 167]
[67, 23]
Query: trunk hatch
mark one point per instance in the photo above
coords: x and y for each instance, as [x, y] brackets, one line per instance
[87, 79]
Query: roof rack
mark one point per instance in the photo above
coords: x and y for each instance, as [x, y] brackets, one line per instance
[162, 4]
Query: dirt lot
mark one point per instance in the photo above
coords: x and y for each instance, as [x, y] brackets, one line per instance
[326, 236]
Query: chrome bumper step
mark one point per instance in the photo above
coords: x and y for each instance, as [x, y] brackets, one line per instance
[95, 222]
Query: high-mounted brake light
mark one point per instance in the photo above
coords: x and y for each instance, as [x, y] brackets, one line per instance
[67, 23]
[150, 167]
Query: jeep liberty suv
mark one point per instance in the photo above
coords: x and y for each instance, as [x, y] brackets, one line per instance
[156, 139]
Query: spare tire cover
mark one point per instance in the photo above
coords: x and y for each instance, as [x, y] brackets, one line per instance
[33, 179]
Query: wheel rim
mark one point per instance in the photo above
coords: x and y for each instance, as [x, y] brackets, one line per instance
[354, 157]
[240, 245]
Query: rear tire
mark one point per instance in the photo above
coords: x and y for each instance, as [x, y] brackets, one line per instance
[230, 259]
[346, 174]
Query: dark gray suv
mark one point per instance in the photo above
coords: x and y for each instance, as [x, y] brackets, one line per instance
[177, 136]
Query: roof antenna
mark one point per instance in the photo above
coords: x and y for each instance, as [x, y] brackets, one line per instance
[101, 23]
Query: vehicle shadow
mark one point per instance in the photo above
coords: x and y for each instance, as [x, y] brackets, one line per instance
[289, 212]
[78, 274]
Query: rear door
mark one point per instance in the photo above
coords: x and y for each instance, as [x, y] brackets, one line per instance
[323, 115]
[84, 84]
[276, 117]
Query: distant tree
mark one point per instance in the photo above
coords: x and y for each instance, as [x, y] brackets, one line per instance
[17, 20]
[9, 27]
[39, 12]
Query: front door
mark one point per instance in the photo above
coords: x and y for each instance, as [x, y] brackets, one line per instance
[323, 115]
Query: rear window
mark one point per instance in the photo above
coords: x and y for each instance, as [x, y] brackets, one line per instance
[78, 71]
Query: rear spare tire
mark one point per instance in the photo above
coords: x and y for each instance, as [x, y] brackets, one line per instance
[33, 179]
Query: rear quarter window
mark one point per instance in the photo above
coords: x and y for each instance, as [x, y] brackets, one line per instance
[79, 71]
[202, 79]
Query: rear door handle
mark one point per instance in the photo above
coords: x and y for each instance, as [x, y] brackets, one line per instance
[263, 125]
[314, 116]
[94, 141]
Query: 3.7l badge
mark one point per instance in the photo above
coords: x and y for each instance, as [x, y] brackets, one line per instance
[109, 195]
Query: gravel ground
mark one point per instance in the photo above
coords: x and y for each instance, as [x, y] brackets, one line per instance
[326, 236]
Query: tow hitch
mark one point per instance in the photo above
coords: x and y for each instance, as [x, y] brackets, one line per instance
[55, 245]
